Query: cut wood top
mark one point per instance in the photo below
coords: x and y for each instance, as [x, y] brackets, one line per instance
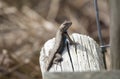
[86, 56]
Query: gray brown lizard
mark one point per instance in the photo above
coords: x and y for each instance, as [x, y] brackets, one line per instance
[58, 48]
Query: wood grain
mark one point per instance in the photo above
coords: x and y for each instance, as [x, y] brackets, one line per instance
[86, 56]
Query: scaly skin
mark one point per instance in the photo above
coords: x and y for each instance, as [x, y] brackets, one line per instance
[59, 45]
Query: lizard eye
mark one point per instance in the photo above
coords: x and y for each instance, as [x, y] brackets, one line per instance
[68, 23]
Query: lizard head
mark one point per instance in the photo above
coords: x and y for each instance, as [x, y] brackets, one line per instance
[65, 25]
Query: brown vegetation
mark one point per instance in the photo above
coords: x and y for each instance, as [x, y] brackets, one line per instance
[25, 25]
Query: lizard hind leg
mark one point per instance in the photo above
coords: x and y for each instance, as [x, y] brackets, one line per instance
[58, 58]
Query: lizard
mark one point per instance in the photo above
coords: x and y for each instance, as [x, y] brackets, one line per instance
[60, 40]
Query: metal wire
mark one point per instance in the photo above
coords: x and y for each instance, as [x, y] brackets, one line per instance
[103, 47]
[98, 22]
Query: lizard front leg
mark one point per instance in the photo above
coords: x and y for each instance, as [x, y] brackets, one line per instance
[70, 40]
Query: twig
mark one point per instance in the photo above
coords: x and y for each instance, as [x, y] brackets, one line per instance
[54, 7]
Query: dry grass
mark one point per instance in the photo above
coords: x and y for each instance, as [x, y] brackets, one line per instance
[25, 25]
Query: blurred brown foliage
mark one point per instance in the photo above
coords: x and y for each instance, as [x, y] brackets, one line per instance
[25, 25]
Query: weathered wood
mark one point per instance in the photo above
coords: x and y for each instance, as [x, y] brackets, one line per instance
[115, 34]
[86, 56]
[84, 75]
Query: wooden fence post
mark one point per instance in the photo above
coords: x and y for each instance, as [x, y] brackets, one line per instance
[86, 56]
[115, 34]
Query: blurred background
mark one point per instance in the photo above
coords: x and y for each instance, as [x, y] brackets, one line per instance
[25, 25]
